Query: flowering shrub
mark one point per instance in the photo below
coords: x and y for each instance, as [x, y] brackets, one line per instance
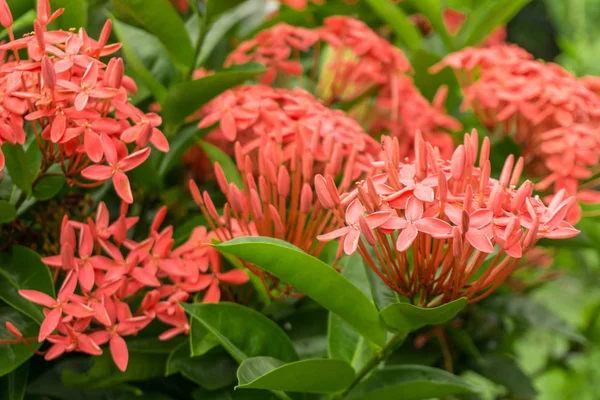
[225, 199]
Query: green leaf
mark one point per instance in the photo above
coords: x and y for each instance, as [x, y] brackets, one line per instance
[405, 318]
[152, 345]
[345, 343]
[187, 97]
[13, 355]
[506, 372]
[8, 212]
[486, 18]
[217, 155]
[201, 340]
[259, 336]
[429, 84]
[47, 187]
[17, 166]
[74, 16]
[398, 21]
[306, 376]
[410, 382]
[13, 385]
[216, 8]
[224, 24]
[123, 33]
[528, 311]
[161, 19]
[23, 268]
[212, 371]
[34, 157]
[179, 144]
[311, 276]
[105, 374]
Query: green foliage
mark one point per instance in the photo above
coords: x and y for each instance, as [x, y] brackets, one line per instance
[404, 317]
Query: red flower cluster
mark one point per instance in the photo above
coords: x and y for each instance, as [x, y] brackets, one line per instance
[359, 68]
[111, 271]
[437, 230]
[77, 105]
[551, 114]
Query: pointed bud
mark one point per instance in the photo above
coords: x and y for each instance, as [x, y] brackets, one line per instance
[105, 34]
[457, 164]
[114, 76]
[279, 229]
[158, 219]
[366, 231]
[457, 242]
[6, 18]
[39, 36]
[506, 170]
[306, 199]
[210, 206]
[196, 193]
[485, 151]
[322, 192]
[48, 74]
[283, 182]
[13, 330]
[43, 11]
[256, 205]
[518, 201]
[442, 187]
[516, 175]
[221, 179]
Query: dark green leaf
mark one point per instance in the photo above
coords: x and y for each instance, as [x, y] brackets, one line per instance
[8, 212]
[506, 372]
[13, 385]
[212, 371]
[216, 8]
[23, 268]
[410, 382]
[161, 19]
[179, 144]
[217, 155]
[105, 374]
[311, 276]
[130, 50]
[152, 345]
[486, 18]
[429, 84]
[405, 318]
[13, 355]
[201, 340]
[534, 314]
[47, 187]
[398, 21]
[306, 376]
[17, 166]
[187, 97]
[34, 157]
[74, 16]
[259, 336]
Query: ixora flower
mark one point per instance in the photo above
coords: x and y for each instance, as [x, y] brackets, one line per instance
[353, 65]
[77, 105]
[551, 114]
[104, 272]
[435, 230]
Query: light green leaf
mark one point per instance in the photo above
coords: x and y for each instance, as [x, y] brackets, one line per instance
[306, 376]
[161, 19]
[259, 336]
[311, 276]
[410, 382]
[398, 21]
[187, 97]
[405, 318]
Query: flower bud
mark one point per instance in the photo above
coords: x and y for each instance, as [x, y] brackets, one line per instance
[6, 18]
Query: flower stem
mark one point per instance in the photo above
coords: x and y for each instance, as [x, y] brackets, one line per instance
[374, 361]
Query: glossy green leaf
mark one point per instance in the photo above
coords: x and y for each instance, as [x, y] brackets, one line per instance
[13, 385]
[22, 268]
[47, 187]
[8, 212]
[344, 342]
[255, 281]
[201, 340]
[306, 376]
[488, 17]
[133, 60]
[410, 382]
[17, 166]
[259, 337]
[14, 355]
[403, 27]
[405, 318]
[217, 155]
[161, 19]
[105, 374]
[179, 144]
[74, 16]
[34, 157]
[212, 371]
[187, 97]
[506, 372]
[311, 276]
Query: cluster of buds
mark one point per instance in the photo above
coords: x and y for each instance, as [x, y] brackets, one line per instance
[436, 230]
[357, 68]
[77, 105]
[104, 272]
[284, 138]
[550, 113]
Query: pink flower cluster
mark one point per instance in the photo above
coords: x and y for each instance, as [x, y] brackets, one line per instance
[105, 271]
[76, 104]
[359, 68]
[551, 114]
[436, 230]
